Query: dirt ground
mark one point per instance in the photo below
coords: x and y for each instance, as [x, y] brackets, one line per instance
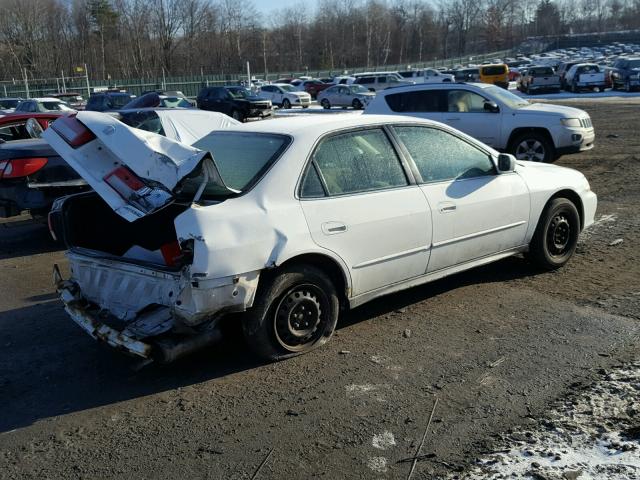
[496, 346]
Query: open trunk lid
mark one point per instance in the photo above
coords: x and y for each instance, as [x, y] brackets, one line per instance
[134, 171]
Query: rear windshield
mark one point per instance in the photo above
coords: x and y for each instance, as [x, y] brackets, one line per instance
[494, 70]
[242, 158]
[541, 71]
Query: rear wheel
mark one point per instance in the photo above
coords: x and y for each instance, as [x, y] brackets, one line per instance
[325, 104]
[356, 104]
[286, 103]
[556, 236]
[296, 310]
[532, 146]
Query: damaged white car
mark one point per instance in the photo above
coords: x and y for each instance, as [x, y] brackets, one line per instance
[288, 221]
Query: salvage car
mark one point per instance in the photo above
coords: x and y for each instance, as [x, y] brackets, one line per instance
[497, 117]
[235, 101]
[42, 105]
[539, 79]
[287, 222]
[585, 76]
[355, 96]
[625, 73]
[32, 174]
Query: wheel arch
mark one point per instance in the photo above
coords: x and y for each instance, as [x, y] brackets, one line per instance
[521, 130]
[331, 266]
[574, 198]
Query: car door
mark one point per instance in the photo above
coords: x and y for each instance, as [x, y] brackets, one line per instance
[467, 112]
[342, 97]
[359, 203]
[476, 212]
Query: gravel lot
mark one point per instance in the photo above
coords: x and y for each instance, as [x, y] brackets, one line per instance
[499, 347]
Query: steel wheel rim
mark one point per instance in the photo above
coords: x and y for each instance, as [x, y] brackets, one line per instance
[531, 150]
[299, 317]
[286, 104]
[559, 235]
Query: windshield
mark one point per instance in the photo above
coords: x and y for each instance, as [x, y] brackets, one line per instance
[358, 89]
[175, 102]
[119, 101]
[9, 103]
[56, 106]
[238, 92]
[242, 158]
[144, 120]
[494, 70]
[634, 63]
[541, 71]
[288, 88]
[509, 99]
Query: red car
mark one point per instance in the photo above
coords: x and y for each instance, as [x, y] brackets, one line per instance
[313, 87]
[13, 125]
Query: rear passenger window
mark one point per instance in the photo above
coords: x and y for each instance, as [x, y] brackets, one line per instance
[417, 101]
[311, 184]
[359, 162]
[366, 80]
[441, 156]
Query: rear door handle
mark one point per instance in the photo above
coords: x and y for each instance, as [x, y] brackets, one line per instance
[332, 228]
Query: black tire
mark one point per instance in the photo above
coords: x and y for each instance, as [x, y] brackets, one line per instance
[237, 115]
[356, 104]
[325, 104]
[286, 104]
[528, 90]
[273, 328]
[627, 86]
[532, 146]
[556, 237]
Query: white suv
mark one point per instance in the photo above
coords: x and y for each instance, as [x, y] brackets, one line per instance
[377, 81]
[495, 116]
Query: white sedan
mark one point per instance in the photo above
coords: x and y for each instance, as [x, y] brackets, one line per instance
[289, 221]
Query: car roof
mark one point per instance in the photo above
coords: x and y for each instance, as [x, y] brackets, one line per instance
[316, 125]
[45, 99]
[434, 86]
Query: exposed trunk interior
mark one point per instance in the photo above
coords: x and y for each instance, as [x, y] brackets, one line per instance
[88, 222]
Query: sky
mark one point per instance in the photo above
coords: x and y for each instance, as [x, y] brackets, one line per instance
[269, 6]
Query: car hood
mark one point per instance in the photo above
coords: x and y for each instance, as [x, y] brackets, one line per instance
[555, 110]
[134, 171]
[298, 94]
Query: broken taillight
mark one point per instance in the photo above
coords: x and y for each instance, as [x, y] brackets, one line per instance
[72, 131]
[21, 167]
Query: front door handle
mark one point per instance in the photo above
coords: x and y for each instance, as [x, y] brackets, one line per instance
[332, 228]
[447, 207]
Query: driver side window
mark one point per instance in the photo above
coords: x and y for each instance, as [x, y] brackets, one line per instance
[441, 156]
[465, 101]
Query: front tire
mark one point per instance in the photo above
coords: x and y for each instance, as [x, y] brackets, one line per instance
[356, 104]
[556, 237]
[325, 104]
[286, 104]
[237, 115]
[295, 311]
[532, 146]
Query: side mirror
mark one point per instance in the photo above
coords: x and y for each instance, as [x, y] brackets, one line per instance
[506, 163]
[491, 107]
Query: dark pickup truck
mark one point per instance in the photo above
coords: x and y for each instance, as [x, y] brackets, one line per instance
[237, 102]
[624, 74]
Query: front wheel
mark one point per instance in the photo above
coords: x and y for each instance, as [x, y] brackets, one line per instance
[295, 311]
[627, 86]
[356, 104]
[286, 104]
[237, 115]
[556, 237]
[532, 146]
[325, 104]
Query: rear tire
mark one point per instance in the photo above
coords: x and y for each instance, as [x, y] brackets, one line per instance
[556, 237]
[295, 311]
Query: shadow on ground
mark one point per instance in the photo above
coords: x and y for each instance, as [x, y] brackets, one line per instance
[49, 367]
